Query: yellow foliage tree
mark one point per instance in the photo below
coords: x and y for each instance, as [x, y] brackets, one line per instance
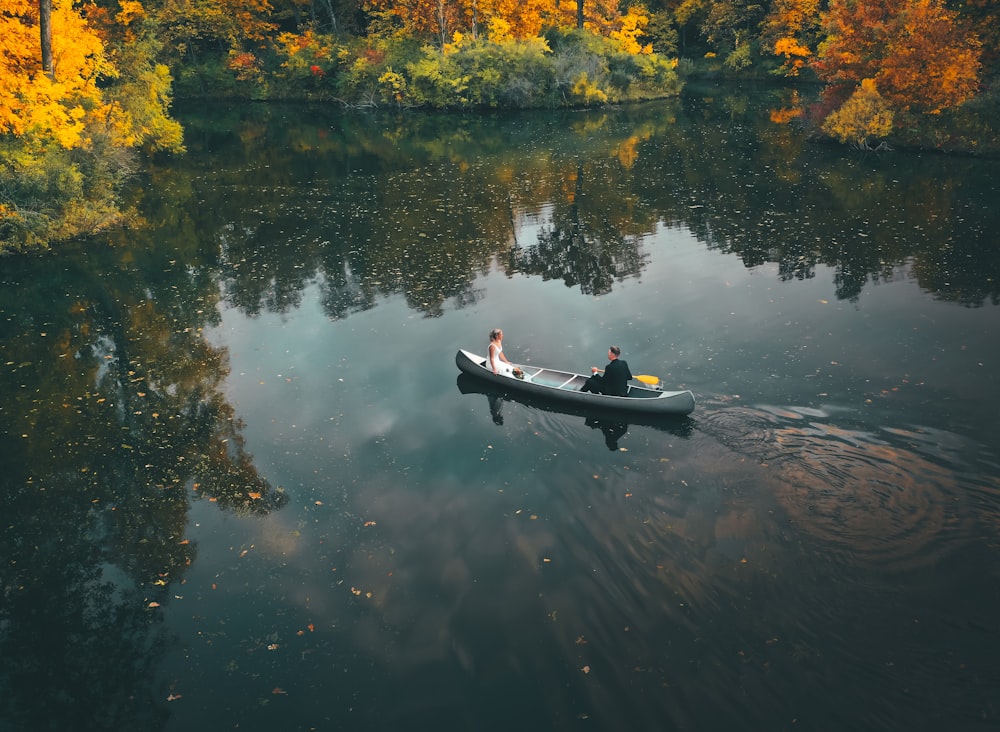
[43, 106]
[631, 28]
[74, 100]
[864, 116]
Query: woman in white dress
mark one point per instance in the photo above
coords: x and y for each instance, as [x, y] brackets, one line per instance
[495, 359]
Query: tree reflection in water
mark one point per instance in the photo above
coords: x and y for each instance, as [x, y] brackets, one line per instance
[117, 423]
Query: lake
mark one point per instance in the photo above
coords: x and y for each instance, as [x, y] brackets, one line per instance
[245, 488]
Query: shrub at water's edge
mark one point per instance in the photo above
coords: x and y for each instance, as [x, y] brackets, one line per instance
[563, 68]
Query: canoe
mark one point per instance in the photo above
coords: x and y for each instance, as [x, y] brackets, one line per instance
[564, 387]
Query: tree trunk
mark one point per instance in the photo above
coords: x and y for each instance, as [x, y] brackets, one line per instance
[442, 23]
[45, 29]
[579, 13]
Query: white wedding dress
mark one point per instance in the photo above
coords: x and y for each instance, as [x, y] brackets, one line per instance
[502, 367]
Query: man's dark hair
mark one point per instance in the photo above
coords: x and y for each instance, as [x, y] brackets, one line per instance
[616, 350]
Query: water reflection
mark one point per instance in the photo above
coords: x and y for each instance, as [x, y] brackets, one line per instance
[380, 205]
[611, 425]
[120, 422]
[113, 422]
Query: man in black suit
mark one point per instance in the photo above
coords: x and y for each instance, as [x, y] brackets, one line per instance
[615, 379]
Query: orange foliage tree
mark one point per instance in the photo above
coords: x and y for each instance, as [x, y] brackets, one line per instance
[790, 30]
[442, 19]
[596, 15]
[919, 55]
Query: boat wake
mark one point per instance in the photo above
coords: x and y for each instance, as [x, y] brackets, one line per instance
[894, 498]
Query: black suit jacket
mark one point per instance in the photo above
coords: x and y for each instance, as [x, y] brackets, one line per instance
[615, 379]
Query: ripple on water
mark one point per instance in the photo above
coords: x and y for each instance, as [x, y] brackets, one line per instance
[893, 499]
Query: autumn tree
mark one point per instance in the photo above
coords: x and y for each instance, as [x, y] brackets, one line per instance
[732, 26]
[599, 16]
[195, 30]
[861, 119]
[435, 18]
[66, 131]
[918, 54]
[525, 18]
[442, 19]
[982, 16]
[45, 33]
[48, 104]
[791, 31]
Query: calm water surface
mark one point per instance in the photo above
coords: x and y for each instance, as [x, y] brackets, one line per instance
[245, 488]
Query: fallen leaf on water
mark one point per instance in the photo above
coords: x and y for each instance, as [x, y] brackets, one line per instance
[174, 697]
[311, 627]
[153, 604]
[255, 496]
[278, 690]
[586, 669]
[369, 523]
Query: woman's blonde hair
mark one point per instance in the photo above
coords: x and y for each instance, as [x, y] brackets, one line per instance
[495, 333]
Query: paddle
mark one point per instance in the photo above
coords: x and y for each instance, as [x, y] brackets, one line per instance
[644, 378]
